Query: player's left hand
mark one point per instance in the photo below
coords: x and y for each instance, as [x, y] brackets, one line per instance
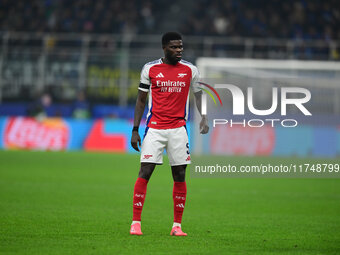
[204, 128]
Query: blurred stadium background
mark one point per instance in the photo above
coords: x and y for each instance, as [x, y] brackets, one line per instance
[82, 59]
[69, 73]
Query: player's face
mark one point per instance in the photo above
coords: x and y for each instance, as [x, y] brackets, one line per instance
[173, 51]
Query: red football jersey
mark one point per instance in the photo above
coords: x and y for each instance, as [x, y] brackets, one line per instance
[168, 87]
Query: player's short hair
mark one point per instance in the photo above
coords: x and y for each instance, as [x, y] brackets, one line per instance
[169, 36]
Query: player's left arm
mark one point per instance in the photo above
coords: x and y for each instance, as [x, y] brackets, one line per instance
[204, 127]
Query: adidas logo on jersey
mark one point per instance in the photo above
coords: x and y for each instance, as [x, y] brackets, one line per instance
[180, 205]
[160, 75]
[138, 204]
[181, 75]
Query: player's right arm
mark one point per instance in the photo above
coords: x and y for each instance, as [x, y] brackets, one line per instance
[139, 110]
[143, 89]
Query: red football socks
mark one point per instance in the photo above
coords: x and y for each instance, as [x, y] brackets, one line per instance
[138, 198]
[179, 195]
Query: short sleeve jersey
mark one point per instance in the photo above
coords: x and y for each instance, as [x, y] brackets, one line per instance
[168, 87]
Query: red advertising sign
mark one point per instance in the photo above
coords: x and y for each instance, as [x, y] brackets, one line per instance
[98, 140]
[29, 133]
[242, 140]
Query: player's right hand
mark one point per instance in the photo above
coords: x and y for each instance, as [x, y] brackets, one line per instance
[135, 140]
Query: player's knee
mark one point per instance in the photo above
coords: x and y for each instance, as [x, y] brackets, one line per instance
[178, 174]
[146, 170]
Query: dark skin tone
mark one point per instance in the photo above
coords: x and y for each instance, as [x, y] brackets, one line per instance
[172, 55]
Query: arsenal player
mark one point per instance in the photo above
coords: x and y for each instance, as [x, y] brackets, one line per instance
[167, 82]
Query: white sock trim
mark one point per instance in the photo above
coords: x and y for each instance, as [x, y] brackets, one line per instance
[133, 222]
[176, 224]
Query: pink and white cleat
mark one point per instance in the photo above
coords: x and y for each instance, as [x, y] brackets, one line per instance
[177, 231]
[136, 229]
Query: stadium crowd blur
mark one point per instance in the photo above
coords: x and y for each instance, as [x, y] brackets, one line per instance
[317, 19]
[298, 20]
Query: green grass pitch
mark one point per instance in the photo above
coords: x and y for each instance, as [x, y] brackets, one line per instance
[81, 203]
